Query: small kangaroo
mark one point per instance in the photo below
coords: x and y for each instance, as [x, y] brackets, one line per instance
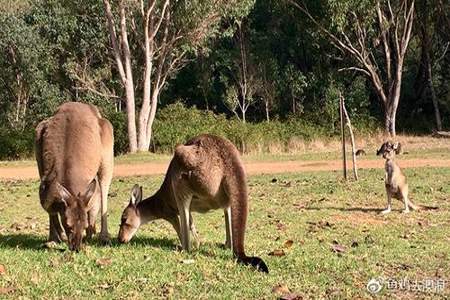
[395, 180]
[205, 173]
[74, 154]
[360, 152]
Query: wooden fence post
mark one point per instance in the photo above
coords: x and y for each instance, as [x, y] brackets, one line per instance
[341, 112]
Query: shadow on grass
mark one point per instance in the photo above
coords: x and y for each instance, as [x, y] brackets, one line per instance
[22, 241]
[146, 241]
[360, 209]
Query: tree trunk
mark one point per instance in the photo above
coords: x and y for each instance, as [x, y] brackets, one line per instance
[267, 111]
[143, 140]
[389, 120]
[352, 137]
[437, 113]
[131, 117]
[293, 103]
[151, 118]
[426, 65]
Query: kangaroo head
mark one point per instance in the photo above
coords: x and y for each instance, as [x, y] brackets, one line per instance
[74, 215]
[131, 219]
[388, 149]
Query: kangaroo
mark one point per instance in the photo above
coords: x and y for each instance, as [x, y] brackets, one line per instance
[74, 154]
[395, 180]
[360, 152]
[205, 173]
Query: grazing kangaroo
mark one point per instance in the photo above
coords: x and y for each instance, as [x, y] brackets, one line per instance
[395, 180]
[205, 173]
[74, 154]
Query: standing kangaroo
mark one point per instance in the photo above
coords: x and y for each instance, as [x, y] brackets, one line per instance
[74, 154]
[395, 180]
[205, 173]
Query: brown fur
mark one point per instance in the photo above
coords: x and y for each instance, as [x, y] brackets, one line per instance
[395, 180]
[74, 153]
[205, 173]
[360, 152]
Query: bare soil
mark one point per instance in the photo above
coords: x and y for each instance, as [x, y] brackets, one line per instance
[253, 168]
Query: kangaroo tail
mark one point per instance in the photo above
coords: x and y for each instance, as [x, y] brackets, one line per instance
[236, 188]
[426, 207]
[421, 207]
[255, 262]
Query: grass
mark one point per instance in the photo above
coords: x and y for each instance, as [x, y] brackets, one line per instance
[314, 210]
[137, 158]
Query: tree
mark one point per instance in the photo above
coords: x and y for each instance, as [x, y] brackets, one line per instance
[267, 70]
[359, 28]
[295, 83]
[245, 82]
[25, 60]
[430, 13]
[165, 34]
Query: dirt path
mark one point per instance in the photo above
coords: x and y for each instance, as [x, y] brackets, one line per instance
[252, 168]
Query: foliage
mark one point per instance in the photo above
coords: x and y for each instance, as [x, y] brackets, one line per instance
[16, 144]
[62, 52]
[176, 124]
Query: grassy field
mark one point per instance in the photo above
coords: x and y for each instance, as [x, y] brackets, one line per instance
[415, 153]
[415, 147]
[328, 237]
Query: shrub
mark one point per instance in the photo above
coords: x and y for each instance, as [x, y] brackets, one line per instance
[119, 123]
[16, 144]
[175, 124]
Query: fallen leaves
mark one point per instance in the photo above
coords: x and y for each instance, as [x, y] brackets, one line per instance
[281, 289]
[277, 252]
[6, 290]
[18, 226]
[288, 243]
[280, 252]
[316, 226]
[188, 261]
[103, 262]
[168, 289]
[281, 226]
[285, 293]
[338, 248]
[299, 206]
[104, 286]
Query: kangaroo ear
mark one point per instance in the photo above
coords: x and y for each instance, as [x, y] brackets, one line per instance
[136, 194]
[397, 147]
[88, 199]
[382, 148]
[63, 193]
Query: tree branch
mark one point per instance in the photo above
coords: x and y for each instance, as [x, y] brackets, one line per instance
[113, 38]
[355, 69]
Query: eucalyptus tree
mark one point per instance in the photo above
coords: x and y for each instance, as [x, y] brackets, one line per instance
[152, 40]
[376, 34]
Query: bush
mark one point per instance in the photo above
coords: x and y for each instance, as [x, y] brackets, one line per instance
[15, 144]
[175, 124]
[119, 122]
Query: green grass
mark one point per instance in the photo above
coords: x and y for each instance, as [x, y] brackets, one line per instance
[296, 207]
[145, 157]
